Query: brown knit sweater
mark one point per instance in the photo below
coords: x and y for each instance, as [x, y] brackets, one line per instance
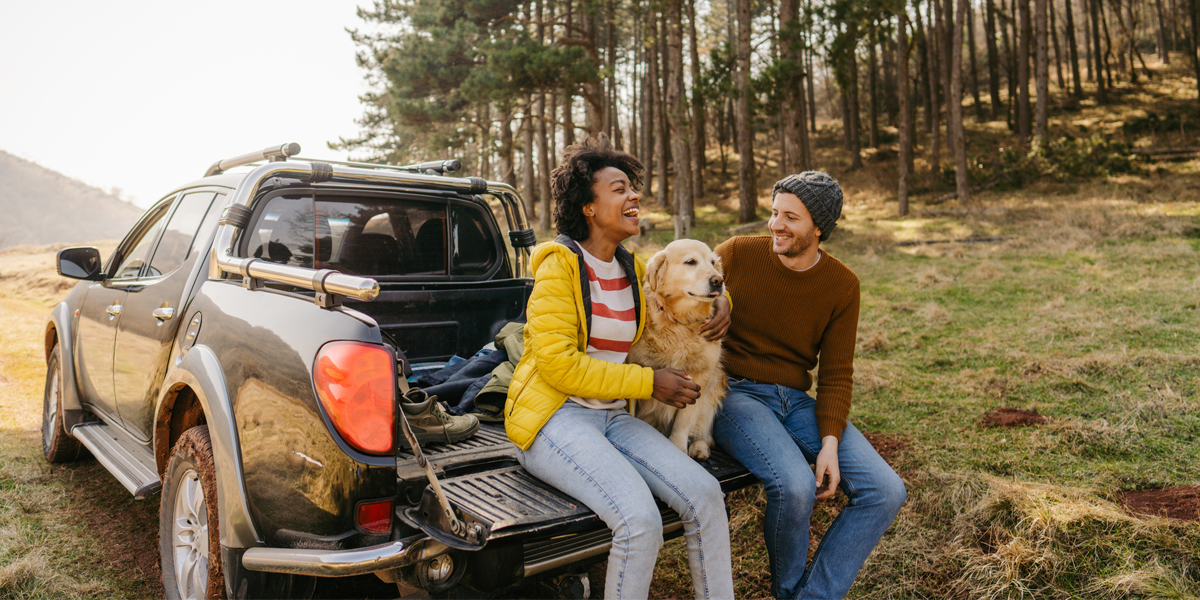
[784, 319]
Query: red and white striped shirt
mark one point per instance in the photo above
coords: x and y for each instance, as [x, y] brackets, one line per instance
[614, 320]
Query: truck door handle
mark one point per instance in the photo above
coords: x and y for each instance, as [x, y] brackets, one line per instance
[163, 314]
[114, 311]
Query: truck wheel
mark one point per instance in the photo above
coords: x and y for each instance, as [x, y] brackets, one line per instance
[189, 534]
[57, 445]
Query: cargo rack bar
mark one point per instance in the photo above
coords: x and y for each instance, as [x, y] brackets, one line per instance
[327, 283]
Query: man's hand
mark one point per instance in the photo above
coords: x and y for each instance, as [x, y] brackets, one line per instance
[717, 325]
[675, 388]
[827, 465]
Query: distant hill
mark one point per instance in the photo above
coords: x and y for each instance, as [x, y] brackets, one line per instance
[40, 206]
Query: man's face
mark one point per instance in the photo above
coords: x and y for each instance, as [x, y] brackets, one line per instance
[791, 225]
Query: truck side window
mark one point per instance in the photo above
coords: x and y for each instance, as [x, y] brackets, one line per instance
[136, 248]
[284, 232]
[176, 242]
[474, 248]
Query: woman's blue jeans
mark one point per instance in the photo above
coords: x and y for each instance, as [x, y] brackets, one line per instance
[772, 430]
[616, 465]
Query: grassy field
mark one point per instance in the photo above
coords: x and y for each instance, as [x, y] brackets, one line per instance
[1088, 313]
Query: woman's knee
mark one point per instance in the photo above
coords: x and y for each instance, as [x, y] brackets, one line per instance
[639, 527]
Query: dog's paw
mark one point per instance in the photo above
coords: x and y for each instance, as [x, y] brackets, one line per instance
[699, 450]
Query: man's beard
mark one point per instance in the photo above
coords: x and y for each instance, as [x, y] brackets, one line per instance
[799, 245]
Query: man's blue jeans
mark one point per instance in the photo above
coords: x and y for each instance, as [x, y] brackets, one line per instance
[616, 465]
[772, 430]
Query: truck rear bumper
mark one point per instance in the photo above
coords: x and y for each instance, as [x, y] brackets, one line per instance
[343, 563]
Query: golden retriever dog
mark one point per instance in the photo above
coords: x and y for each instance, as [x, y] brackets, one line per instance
[681, 283]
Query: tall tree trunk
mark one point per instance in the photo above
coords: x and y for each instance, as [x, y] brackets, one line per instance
[1073, 51]
[812, 88]
[543, 169]
[593, 91]
[1087, 40]
[873, 89]
[552, 130]
[507, 173]
[698, 132]
[543, 162]
[794, 126]
[568, 93]
[485, 140]
[955, 118]
[1062, 83]
[852, 103]
[1101, 95]
[1024, 121]
[1161, 40]
[610, 54]
[905, 115]
[649, 87]
[935, 105]
[747, 185]
[665, 198]
[1043, 69]
[528, 176]
[677, 119]
[993, 60]
[979, 114]
[1008, 35]
[1194, 12]
[1108, 45]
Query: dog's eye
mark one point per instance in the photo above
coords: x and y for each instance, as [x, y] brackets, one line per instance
[690, 261]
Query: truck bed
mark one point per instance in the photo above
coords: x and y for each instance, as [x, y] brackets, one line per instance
[494, 490]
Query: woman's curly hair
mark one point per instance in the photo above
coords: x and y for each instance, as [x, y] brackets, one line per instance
[571, 182]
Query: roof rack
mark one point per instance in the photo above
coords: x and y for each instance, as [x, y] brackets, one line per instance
[271, 153]
[284, 151]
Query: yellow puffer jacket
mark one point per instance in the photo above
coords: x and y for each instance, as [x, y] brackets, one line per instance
[555, 363]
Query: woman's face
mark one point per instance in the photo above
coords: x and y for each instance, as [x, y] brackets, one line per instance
[614, 212]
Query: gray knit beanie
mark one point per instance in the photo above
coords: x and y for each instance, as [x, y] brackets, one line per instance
[821, 195]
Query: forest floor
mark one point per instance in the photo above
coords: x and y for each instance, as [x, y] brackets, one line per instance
[1040, 396]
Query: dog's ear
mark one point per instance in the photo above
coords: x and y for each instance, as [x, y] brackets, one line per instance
[656, 269]
[717, 263]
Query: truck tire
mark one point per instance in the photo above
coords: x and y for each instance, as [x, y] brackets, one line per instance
[189, 527]
[57, 445]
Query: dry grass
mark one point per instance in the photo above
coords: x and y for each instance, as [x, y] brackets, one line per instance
[48, 546]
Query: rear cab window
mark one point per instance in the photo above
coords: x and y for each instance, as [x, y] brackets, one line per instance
[377, 236]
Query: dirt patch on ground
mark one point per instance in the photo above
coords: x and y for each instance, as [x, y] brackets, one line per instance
[127, 528]
[1008, 416]
[1182, 503]
[887, 446]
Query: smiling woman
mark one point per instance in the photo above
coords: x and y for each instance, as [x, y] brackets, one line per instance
[566, 409]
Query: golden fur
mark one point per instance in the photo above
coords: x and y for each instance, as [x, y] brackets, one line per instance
[681, 283]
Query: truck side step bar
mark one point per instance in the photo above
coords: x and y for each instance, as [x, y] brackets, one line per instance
[130, 462]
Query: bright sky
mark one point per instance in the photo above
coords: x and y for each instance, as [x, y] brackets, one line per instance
[145, 95]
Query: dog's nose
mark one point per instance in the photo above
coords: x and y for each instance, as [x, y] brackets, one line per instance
[715, 281]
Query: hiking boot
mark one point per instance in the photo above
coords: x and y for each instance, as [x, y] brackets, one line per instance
[431, 423]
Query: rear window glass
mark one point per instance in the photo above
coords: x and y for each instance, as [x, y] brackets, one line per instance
[372, 237]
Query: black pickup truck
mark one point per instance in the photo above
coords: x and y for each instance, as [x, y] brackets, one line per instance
[239, 353]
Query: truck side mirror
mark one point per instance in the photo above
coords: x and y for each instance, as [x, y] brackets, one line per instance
[80, 263]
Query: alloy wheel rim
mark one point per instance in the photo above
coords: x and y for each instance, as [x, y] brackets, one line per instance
[189, 528]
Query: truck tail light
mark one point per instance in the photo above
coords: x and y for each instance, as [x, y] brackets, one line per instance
[356, 384]
[375, 516]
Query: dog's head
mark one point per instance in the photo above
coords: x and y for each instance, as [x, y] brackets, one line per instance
[685, 276]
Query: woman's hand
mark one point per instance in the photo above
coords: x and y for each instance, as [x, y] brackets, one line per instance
[827, 465]
[675, 388]
[717, 325]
